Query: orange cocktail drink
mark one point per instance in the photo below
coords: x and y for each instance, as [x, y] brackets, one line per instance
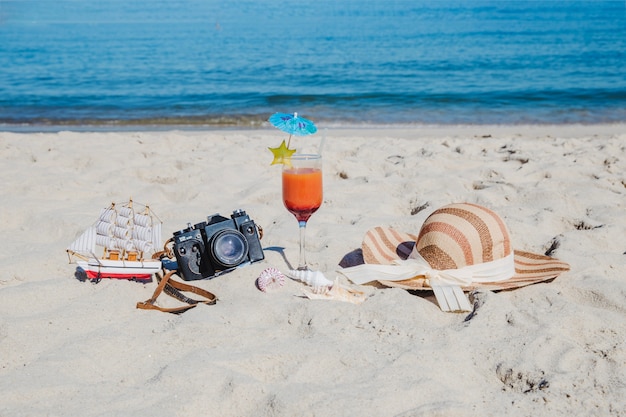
[302, 191]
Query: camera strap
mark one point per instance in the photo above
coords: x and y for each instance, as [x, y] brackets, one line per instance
[173, 288]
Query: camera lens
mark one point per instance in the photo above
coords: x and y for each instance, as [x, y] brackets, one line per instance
[229, 248]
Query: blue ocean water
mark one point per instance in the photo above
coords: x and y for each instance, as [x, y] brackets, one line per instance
[339, 62]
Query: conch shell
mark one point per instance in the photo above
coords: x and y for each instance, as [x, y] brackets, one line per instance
[315, 279]
[324, 289]
[337, 292]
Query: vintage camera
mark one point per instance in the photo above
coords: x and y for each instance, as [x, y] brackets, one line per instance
[216, 246]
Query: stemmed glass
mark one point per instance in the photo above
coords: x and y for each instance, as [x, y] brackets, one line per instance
[302, 192]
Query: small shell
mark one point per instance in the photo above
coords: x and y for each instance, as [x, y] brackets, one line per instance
[312, 278]
[337, 293]
[270, 278]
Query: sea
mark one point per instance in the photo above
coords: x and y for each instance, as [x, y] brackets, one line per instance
[232, 63]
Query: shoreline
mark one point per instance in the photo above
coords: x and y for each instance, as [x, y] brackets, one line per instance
[578, 129]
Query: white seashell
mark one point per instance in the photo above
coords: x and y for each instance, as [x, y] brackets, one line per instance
[337, 293]
[270, 278]
[314, 279]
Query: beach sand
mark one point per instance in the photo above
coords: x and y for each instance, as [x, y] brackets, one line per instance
[77, 348]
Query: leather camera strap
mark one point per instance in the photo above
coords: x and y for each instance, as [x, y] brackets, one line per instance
[174, 288]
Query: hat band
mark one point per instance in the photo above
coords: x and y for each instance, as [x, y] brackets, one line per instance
[493, 271]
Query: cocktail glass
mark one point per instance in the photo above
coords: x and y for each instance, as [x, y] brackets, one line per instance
[302, 193]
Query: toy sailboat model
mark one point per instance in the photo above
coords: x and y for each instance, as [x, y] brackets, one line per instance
[128, 238]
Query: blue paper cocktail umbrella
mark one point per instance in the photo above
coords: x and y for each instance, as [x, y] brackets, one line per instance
[293, 124]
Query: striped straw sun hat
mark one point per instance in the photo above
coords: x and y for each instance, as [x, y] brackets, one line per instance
[463, 240]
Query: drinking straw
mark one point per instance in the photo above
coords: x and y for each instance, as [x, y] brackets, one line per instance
[319, 150]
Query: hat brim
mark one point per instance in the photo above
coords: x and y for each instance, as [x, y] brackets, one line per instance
[384, 245]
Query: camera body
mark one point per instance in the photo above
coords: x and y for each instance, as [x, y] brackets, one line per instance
[216, 246]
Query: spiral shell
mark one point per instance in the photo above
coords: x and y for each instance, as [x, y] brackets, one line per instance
[314, 279]
[270, 278]
[337, 292]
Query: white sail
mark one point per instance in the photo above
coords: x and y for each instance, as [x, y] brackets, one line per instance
[124, 217]
[142, 220]
[121, 232]
[142, 233]
[143, 246]
[126, 212]
[85, 243]
[156, 236]
[124, 222]
[104, 228]
[108, 215]
[106, 242]
[124, 244]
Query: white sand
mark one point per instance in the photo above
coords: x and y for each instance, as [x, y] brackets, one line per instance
[71, 348]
